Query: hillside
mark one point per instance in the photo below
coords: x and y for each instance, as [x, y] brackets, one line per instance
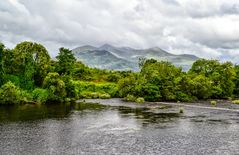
[126, 58]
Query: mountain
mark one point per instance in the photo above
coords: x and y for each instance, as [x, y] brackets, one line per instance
[126, 58]
[104, 60]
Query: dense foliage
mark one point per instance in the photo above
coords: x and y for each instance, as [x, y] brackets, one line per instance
[1, 64]
[163, 81]
[27, 74]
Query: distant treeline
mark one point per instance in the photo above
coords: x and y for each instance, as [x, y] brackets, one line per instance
[29, 75]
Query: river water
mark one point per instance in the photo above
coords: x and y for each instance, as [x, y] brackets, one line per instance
[115, 127]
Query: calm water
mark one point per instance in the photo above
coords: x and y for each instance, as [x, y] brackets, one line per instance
[114, 127]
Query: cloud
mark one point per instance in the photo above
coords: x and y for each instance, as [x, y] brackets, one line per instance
[206, 28]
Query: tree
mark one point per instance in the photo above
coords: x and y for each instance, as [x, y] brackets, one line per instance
[1, 64]
[137, 86]
[236, 81]
[151, 92]
[156, 81]
[70, 87]
[200, 87]
[55, 87]
[141, 62]
[126, 85]
[66, 61]
[9, 94]
[227, 78]
[205, 67]
[31, 61]
[221, 76]
[163, 75]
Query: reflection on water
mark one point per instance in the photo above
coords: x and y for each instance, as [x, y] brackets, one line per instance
[34, 112]
[147, 117]
[113, 127]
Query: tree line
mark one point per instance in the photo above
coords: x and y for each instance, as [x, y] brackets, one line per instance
[28, 74]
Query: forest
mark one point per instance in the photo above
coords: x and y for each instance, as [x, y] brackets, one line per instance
[29, 75]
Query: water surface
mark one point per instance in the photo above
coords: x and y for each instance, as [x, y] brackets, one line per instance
[114, 127]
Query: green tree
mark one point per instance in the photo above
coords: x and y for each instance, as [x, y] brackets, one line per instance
[221, 75]
[70, 87]
[126, 85]
[40, 95]
[66, 61]
[156, 81]
[8, 61]
[142, 62]
[205, 67]
[31, 61]
[55, 87]
[9, 94]
[163, 75]
[236, 81]
[200, 87]
[1, 64]
[151, 92]
[228, 74]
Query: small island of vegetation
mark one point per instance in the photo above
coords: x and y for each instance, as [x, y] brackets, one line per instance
[29, 75]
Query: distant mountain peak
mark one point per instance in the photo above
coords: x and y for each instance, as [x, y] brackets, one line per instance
[84, 48]
[88, 46]
[155, 48]
[106, 46]
[126, 48]
[190, 55]
[120, 58]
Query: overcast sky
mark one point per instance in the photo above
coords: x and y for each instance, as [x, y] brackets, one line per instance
[206, 28]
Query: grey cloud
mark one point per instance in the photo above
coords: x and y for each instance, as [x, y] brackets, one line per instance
[206, 28]
[230, 8]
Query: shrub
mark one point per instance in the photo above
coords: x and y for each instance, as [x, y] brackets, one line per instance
[104, 96]
[10, 94]
[86, 88]
[94, 95]
[235, 102]
[181, 110]
[14, 79]
[109, 88]
[130, 98]
[71, 87]
[140, 100]
[25, 97]
[151, 93]
[113, 77]
[89, 95]
[85, 95]
[214, 103]
[68, 100]
[200, 86]
[55, 87]
[183, 97]
[40, 95]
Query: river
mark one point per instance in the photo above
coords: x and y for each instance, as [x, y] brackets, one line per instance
[116, 127]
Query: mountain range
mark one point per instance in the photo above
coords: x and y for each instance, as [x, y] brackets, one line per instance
[126, 58]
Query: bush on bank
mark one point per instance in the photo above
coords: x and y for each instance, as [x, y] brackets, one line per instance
[40, 95]
[11, 94]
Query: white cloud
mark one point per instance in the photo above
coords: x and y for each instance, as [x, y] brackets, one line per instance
[206, 28]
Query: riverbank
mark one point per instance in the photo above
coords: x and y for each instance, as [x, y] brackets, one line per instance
[224, 105]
